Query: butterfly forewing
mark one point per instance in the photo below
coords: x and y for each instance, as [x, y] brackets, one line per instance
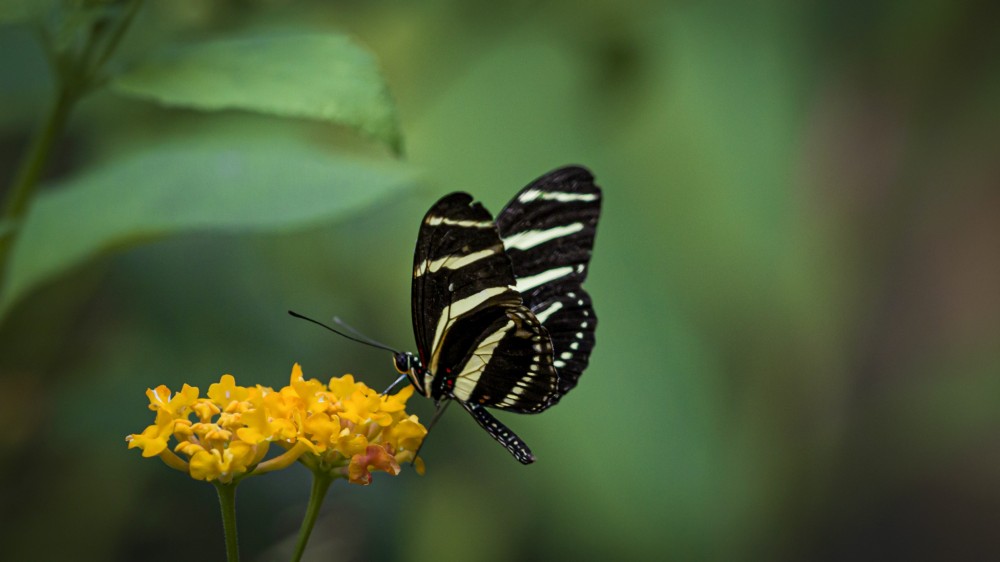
[463, 300]
[455, 231]
[548, 233]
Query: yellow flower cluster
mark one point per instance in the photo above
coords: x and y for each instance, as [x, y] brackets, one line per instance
[343, 428]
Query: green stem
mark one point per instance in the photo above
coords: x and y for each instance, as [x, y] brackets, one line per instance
[33, 164]
[119, 32]
[320, 484]
[227, 504]
[75, 75]
[34, 161]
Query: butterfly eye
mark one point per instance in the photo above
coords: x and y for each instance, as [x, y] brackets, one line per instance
[402, 363]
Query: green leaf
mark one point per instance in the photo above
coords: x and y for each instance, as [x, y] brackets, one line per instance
[18, 11]
[250, 185]
[324, 77]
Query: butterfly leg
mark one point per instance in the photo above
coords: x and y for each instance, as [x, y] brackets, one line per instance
[500, 432]
[394, 384]
[441, 407]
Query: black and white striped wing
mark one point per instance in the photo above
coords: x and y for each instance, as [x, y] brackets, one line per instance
[475, 338]
[548, 233]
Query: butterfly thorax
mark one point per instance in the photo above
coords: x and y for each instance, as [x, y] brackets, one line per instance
[426, 381]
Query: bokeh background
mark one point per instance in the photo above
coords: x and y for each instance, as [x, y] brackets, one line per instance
[797, 275]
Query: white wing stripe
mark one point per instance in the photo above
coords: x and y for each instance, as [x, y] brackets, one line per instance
[544, 315]
[453, 312]
[465, 382]
[527, 283]
[452, 262]
[435, 221]
[562, 197]
[531, 238]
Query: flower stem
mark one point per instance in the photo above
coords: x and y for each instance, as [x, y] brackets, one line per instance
[227, 504]
[320, 484]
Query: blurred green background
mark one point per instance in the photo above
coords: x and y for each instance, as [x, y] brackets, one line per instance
[797, 275]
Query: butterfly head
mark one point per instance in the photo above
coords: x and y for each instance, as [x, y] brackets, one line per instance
[409, 364]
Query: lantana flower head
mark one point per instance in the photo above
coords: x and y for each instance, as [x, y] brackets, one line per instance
[342, 428]
[351, 430]
[203, 429]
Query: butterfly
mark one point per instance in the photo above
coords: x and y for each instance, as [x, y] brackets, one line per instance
[500, 317]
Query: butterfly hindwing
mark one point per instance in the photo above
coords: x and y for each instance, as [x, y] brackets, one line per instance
[515, 367]
[570, 321]
[548, 233]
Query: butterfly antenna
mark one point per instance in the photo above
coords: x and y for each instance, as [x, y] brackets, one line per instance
[338, 332]
[357, 333]
[437, 414]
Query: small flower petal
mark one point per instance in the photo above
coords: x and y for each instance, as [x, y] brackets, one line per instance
[161, 399]
[152, 441]
[393, 403]
[374, 458]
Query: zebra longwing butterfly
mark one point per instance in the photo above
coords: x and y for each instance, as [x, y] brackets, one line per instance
[499, 314]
